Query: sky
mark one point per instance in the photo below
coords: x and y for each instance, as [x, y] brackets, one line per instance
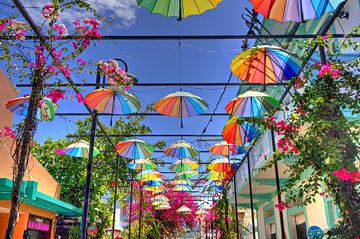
[203, 61]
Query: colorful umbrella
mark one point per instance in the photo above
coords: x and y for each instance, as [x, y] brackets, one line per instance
[159, 203]
[181, 104]
[221, 165]
[205, 205]
[112, 101]
[155, 189]
[80, 149]
[294, 10]
[141, 164]
[163, 207]
[155, 182]
[134, 149]
[160, 197]
[178, 8]
[186, 174]
[184, 210]
[252, 104]
[265, 65]
[239, 133]
[182, 188]
[183, 164]
[185, 182]
[219, 176]
[181, 149]
[223, 148]
[148, 175]
[20, 106]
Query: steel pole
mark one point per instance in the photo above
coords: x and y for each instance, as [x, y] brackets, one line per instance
[251, 196]
[131, 200]
[115, 195]
[278, 187]
[140, 212]
[89, 168]
[236, 210]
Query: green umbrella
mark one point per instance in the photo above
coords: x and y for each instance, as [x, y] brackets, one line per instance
[183, 165]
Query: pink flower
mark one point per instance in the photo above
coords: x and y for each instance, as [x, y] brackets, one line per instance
[281, 206]
[81, 61]
[75, 45]
[59, 151]
[347, 176]
[55, 95]
[50, 13]
[325, 37]
[80, 98]
[329, 69]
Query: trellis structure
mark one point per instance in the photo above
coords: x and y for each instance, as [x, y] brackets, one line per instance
[96, 122]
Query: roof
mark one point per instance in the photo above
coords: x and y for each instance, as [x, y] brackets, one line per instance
[31, 196]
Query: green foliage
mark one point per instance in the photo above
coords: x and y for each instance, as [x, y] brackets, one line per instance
[74, 232]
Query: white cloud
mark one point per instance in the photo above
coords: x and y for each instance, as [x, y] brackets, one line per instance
[124, 11]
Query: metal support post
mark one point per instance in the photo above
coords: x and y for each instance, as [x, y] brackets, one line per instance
[251, 196]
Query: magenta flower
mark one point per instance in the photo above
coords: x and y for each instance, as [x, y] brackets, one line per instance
[59, 151]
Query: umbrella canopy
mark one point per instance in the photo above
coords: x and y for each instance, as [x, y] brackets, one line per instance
[221, 165]
[155, 182]
[223, 148]
[186, 174]
[134, 149]
[178, 8]
[80, 149]
[160, 198]
[141, 164]
[185, 182]
[159, 203]
[252, 104]
[155, 189]
[182, 188]
[265, 65]
[181, 149]
[184, 210]
[163, 207]
[181, 104]
[112, 101]
[181, 165]
[148, 175]
[219, 176]
[294, 10]
[20, 106]
[239, 133]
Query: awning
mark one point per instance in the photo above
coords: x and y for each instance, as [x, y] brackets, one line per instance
[31, 196]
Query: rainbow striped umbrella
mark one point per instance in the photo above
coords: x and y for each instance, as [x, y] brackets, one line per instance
[148, 175]
[155, 189]
[182, 188]
[181, 104]
[252, 104]
[183, 164]
[265, 65]
[239, 133]
[178, 8]
[155, 182]
[158, 203]
[294, 10]
[141, 164]
[134, 149]
[185, 182]
[186, 174]
[219, 176]
[223, 148]
[221, 165]
[181, 149]
[160, 198]
[184, 210]
[47, 108]
[80, 149]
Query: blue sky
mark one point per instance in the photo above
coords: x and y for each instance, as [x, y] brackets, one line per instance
[158, 61]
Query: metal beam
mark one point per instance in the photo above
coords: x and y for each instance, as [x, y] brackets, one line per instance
[146, 135]
[189, 37]
[135, 114]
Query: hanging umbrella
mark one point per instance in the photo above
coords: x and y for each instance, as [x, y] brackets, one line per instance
[205, 205]
[219, 176]
[186, 174]
[239, 133]
[265, 65]
[160, 197]
[20, 106]
[155, 189]
[141, 164]
[252, 104]
[80, 149]
[185, 182]
[181, 104]
[159, 203]
[148, 175]
[183, 164]
[184, 210]
[294, 10]
[134, 149]
[155, 182]
[112, 101]
[223, 148]
[181, 149]
[163, 207]
[182, 188]
[178, 8]
[221, 165]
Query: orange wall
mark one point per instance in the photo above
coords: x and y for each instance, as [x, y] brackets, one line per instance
[25, 210]
[35, 172]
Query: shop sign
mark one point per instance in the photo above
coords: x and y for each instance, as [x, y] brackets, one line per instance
[39, 224]
[315, 232]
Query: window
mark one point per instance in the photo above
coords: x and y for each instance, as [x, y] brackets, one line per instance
[272, 230]
[298, 226]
